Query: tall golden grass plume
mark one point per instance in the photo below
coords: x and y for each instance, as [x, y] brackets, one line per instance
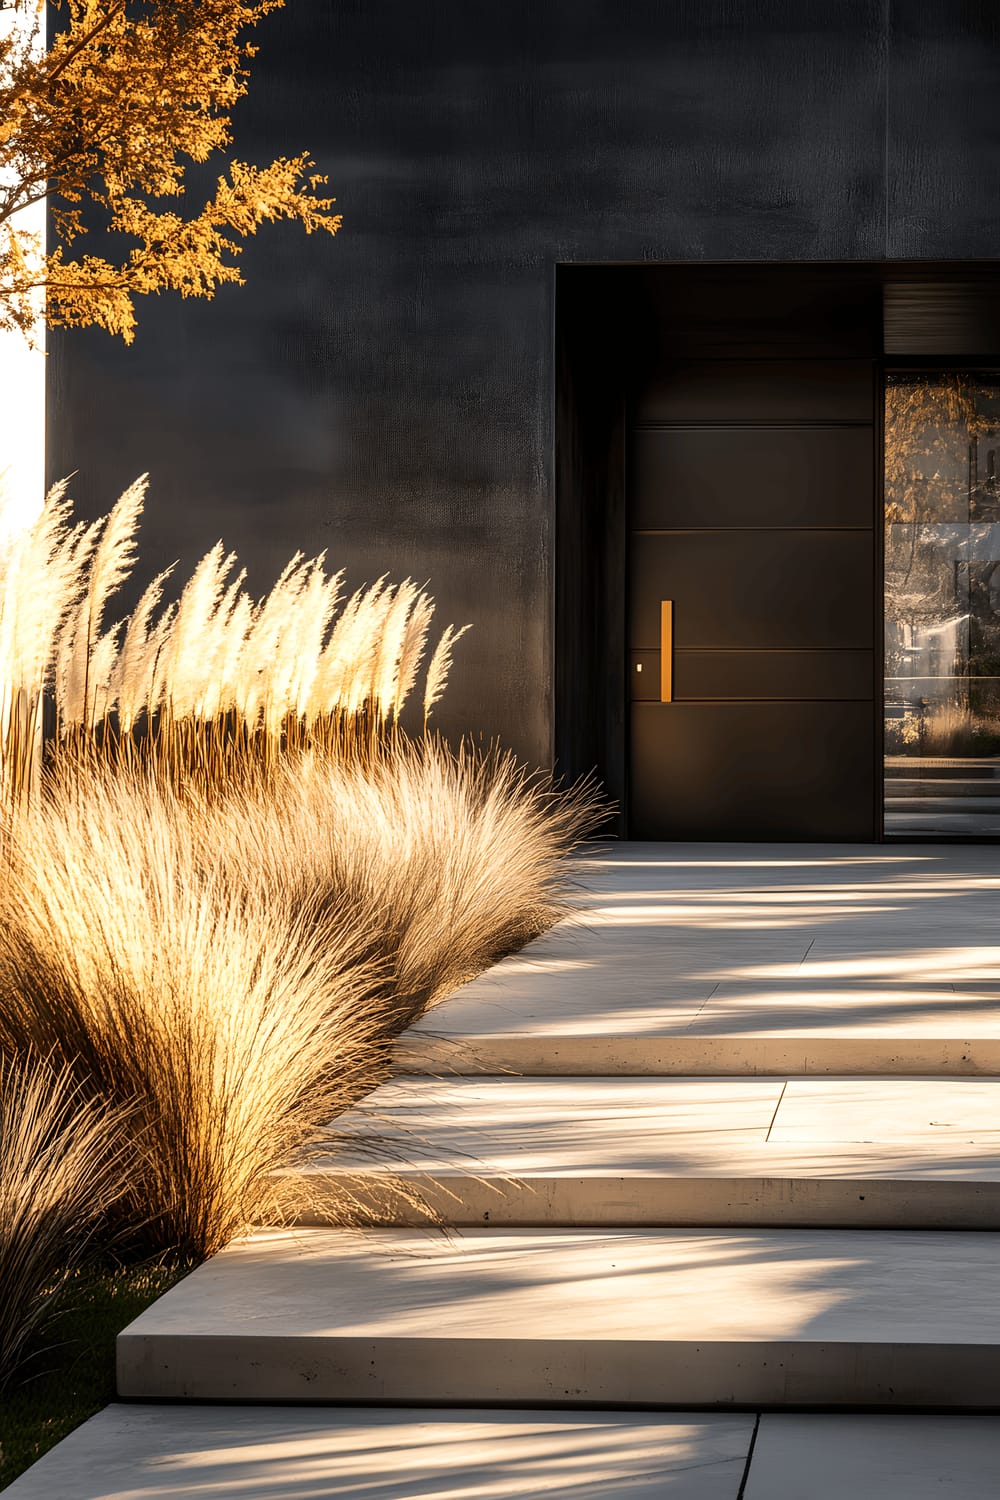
[301, 621]
[317, 607]
[78, 560]
[133, 679]
[158, 661]
[233, 666]
[40, 567]
[194, 629]
[43, 576]
[225, 634]
[263, 647]
[103, 555]
[359, 679]
[113, 559]
[392, 638]
[71, 668]
[414, 644]
[102, 676]
[440, 667]
[329, 689]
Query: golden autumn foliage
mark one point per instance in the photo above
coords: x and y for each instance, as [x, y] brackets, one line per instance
[104, 122]
[929, 424]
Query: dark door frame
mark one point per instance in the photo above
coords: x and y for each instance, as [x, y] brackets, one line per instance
[610, 319]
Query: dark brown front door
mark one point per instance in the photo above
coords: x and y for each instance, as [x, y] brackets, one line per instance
[751, 500]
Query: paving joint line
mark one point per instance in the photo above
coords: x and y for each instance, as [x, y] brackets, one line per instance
[776, 1108]
[697, 1014]
[805, 955]
[746, 1467]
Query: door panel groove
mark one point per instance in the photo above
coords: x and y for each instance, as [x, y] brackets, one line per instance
[807, 424]
[694, 698]
[728, 530]
[772, 650]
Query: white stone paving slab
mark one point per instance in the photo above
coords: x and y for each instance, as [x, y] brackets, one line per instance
[558, 1125]
[783, 1318]
[937, 1117]
[622, 1151]
[745, 958]
[875, 1458]
[305, 1453]
[635, 1126]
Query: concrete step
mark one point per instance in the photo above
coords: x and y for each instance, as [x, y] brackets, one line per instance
[744, 959]
[142, 1452]
[876, 1153]
[506, 1022]
[932, 804]
[927, 821]
[308, 1453]
[931, 785]
[884, 1457]
[776, 1318]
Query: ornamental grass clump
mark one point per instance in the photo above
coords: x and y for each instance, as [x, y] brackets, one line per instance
[451, 858]
[234, 963]
[62, 1154]
[236, 1016]
[228, 877]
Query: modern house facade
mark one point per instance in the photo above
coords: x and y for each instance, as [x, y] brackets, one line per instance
[664, 342]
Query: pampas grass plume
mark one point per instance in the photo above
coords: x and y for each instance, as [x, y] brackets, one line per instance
[440, 667]
[390, 649]
[133, 672]
[115, 552]
[414, 643]
[192, 629]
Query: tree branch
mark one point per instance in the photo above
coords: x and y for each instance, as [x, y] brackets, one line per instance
[48, 74]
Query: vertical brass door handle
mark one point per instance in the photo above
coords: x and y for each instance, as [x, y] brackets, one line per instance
[666, 650]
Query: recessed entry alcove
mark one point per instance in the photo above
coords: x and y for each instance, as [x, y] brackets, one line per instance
[777, 608]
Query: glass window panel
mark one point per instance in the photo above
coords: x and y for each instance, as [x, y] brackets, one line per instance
[942, 604]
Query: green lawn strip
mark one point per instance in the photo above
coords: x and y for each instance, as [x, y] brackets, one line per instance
[72, 1375]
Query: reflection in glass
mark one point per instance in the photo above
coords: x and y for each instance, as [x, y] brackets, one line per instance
[942, 604]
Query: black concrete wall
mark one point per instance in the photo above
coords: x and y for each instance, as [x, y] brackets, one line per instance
[388, 394]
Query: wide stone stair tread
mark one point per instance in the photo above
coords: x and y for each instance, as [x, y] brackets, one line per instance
[743, 959]
[614, 1151]
[965, 804]
[635, 1318]
[937, 785]
[505, 1022]
[926, 821]
[139, 1452]
[172, 1453]
[874, 1457]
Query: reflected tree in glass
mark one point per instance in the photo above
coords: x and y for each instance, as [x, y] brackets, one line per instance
[942, 565]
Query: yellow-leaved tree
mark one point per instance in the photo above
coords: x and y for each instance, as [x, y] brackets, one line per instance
[103, 121]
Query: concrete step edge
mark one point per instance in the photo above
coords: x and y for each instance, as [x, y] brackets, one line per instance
[397, 1196]
[782, 1319]
[720, 1055]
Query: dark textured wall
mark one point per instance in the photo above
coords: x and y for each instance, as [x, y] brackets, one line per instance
[387, 394]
